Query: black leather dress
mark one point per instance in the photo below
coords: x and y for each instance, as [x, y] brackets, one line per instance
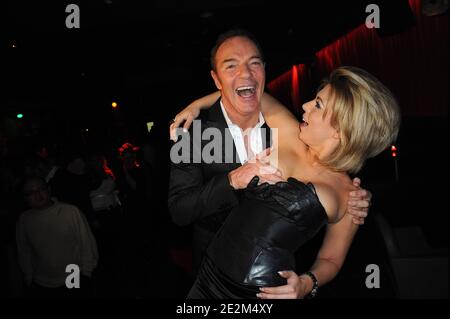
[257, 240]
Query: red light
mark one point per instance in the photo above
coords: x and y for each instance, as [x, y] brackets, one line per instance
[394, 154]
[393, 148]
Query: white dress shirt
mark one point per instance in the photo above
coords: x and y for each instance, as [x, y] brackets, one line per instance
[255, 136]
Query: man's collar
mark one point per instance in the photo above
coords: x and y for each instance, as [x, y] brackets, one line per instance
[260, 123]
[214, 114]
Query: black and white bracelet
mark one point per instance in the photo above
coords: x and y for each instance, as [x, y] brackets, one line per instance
[315, 288]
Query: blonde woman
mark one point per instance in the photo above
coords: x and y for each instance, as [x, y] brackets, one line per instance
[352, 118]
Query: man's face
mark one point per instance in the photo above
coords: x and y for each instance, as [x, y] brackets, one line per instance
[240, 75]
[36, 194]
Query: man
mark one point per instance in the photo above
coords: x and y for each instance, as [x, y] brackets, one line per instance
[205, 192]
[68, 183]
[51, 236]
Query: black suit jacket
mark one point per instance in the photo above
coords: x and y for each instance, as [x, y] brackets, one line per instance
[200, 193]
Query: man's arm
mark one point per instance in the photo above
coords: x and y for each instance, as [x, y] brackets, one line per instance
[191, 198]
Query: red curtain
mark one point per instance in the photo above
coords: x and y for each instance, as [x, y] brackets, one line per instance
[413, 64]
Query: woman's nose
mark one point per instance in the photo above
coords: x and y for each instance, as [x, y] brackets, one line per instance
[305, 107]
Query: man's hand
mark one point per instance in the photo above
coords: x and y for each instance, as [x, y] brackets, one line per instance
[359, 202]
[297, 287]
[259, 166]
[241, 176]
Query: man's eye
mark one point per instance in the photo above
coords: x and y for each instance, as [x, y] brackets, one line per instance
[317, 104]
[229, 67]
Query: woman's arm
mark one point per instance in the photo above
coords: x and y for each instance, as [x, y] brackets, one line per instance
[338, 237]
[274, 112]
[333, 252]
[191, 112]
[277, 116]
[328, 263]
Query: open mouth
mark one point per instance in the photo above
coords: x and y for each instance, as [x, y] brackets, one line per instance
[246, 91]
[303, 122]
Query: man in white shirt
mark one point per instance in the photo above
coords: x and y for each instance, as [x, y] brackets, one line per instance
[50, 236]
[204, 192]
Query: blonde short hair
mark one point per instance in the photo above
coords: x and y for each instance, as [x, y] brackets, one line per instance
[366, 114]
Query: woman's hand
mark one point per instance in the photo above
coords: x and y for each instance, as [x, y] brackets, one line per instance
[191, 112]
[187, 115]
[297, 287]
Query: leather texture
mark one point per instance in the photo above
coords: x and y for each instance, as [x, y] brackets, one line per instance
[260, 236]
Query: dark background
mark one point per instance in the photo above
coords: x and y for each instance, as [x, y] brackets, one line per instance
[152, 58]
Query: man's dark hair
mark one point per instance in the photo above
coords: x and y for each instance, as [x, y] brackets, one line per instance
[231, 34]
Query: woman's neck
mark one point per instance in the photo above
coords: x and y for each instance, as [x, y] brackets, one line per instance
[301, 161]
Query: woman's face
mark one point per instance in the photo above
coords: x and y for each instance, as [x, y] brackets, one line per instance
[315, 129]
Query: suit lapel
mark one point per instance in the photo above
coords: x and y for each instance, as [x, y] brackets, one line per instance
[266, 134]
[216, 119]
